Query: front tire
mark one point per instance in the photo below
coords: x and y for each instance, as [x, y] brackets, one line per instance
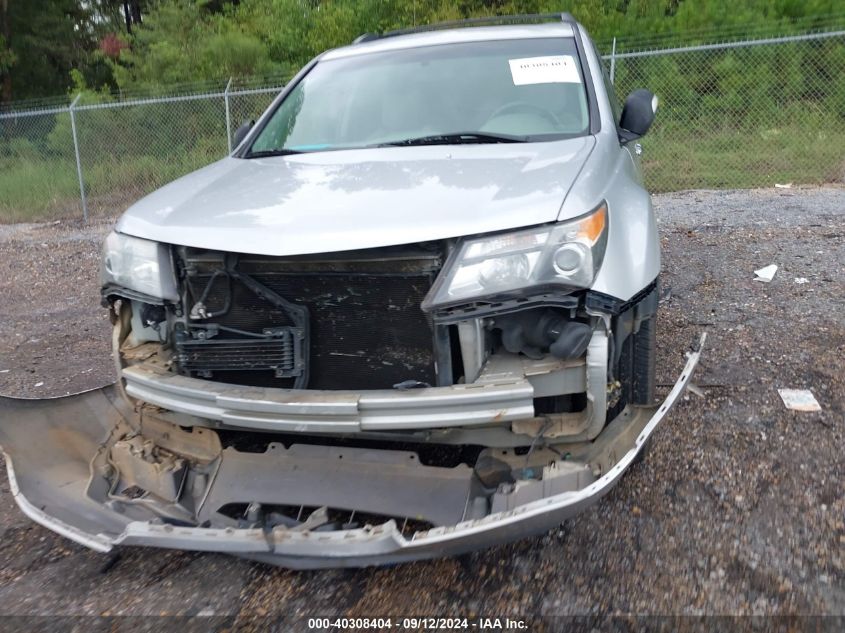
[637, 369]
[644, 354]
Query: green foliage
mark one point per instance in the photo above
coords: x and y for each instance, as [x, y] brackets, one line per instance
[45, 39]
[7, 56]
[191, 40]
[184, 42]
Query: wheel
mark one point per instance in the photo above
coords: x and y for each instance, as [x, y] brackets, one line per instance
[637, 364]
[637, 370]
[645, 353]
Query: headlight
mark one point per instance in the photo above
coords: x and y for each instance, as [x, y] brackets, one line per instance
[139, 265]
[566, 255]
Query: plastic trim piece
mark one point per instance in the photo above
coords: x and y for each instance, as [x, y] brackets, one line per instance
[95, 542]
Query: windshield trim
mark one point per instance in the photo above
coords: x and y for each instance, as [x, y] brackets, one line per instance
[244, 150]
[531, 140]
[593, 115]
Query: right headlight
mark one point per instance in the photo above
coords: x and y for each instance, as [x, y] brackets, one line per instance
[565, 255]
[139, 265]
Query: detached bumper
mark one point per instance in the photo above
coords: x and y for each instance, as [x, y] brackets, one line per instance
[51, 447]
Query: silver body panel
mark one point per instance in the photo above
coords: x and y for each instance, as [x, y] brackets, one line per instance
[453, 36]
[360, 198]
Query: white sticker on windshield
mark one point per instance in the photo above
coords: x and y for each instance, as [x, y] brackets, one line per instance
[553, 69]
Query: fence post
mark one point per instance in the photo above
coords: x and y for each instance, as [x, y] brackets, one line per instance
[78, 161]
[613, 62]
[228, 115]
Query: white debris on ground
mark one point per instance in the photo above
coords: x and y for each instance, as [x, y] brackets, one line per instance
[695, 389]
[799, 400]
[766, 274]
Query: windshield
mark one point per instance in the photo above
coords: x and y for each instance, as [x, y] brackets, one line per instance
[474, 92]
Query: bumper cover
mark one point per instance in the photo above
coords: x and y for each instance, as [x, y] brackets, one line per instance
[49, 446]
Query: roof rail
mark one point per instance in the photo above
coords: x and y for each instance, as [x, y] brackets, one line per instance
[366, 37]
[496, 19]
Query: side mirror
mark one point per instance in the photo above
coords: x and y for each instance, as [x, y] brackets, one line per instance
[637, 114]
[241, 132]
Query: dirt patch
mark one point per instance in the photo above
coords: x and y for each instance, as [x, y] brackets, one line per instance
[54, 334]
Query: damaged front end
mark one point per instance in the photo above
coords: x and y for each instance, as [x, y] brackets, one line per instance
[101, 474]
[304, 411]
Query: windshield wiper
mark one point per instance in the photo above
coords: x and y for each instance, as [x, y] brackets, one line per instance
[457, 138]
[264, 153]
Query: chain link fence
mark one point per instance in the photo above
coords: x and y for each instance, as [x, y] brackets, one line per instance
[97, 156]
[742, 114]
[38, 176]
[739, 114]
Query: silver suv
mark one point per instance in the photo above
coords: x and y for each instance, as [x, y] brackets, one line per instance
[411, 315]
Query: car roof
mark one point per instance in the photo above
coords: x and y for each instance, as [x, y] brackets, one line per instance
[453, 36]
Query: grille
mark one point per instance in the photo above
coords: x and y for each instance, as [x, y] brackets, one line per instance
[367, 330]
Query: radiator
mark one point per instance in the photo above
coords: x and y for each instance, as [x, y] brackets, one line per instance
[366, 327]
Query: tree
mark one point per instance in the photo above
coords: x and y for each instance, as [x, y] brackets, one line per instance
[155, 43]
[42, 41]
[132, 13]
[7, 56]
[183, 41]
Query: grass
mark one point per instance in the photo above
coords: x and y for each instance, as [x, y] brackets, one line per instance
[33, 190]
[676, 158]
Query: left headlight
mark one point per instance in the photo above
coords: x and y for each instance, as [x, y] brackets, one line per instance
[139, 265]
[564, 255]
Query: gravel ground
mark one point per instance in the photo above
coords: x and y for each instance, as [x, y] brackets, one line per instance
[738, 508]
